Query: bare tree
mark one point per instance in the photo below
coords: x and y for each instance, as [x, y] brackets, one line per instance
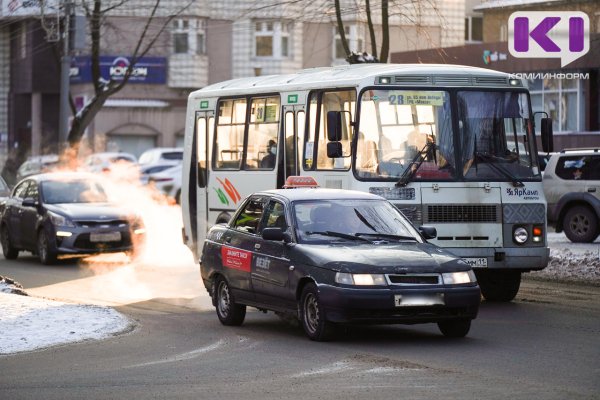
[402, 8]
[103, 89]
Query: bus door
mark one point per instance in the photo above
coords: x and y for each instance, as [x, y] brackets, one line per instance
[293, 131]
[205, 121]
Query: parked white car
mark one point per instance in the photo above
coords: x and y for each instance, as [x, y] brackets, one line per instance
[168, 182]
[161, 155]
[100, 162]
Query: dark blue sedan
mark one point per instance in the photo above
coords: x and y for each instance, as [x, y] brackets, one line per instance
[330, 257]
[58, 214]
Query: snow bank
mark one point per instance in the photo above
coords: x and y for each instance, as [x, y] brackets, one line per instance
[29, 323]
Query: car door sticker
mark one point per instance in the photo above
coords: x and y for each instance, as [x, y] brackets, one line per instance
[236, 259]
[263, 263]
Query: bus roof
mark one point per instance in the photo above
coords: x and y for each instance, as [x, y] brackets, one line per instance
[357, 74]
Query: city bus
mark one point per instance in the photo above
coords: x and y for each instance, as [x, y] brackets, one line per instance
[452, 147]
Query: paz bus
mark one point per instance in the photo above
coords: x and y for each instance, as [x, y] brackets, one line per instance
[450, 146]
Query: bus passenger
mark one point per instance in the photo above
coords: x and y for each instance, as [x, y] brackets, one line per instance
[268, 161]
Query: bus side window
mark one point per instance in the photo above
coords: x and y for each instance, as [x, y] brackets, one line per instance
[229, 135]
[262, 133]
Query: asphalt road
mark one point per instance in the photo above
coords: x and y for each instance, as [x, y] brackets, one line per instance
[544, 345]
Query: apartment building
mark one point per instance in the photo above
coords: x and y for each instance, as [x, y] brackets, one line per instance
[204, 43]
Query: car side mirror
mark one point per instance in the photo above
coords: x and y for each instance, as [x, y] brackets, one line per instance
[428, 232]
[334, 150]
[30, 202]
[276, 234]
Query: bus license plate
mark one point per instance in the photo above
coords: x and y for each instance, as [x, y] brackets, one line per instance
[476, 262]
[105, 237]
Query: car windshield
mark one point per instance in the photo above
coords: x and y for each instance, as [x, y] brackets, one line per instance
[325, 221]
[496, 136]
[73, 191]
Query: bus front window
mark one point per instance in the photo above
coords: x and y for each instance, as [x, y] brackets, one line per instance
[497, 141]
[405, 135]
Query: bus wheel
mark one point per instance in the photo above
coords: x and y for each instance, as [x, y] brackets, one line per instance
[498, 285]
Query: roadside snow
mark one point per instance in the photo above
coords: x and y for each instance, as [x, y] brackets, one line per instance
[30, 323]
[571, 262]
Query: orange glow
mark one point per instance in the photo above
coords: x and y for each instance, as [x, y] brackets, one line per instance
[537, 231]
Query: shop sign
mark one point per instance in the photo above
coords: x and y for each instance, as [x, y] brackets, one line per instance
[151, 70]
[490, 57]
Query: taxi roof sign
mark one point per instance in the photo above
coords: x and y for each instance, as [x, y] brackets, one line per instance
[300, 181]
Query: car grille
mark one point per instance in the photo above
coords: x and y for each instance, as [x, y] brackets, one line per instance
[463, 213]
[116, 223]
[412, 279]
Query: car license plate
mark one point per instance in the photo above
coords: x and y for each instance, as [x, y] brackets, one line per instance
[105, 237]
[418, 300]
[476, 262]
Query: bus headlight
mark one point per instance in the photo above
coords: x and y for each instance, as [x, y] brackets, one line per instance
[520, 235]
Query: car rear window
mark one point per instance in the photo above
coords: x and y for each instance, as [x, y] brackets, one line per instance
[173, 155]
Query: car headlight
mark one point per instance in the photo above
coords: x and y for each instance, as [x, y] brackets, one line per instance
[457, 278]
[60, 220]
[360, 279]
[520, 235]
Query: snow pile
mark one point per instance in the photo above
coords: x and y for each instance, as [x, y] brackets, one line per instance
[8, 285]
[29, 323]
[566, 265]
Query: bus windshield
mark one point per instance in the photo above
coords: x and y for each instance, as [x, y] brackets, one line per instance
[496, 136]
[405, 135]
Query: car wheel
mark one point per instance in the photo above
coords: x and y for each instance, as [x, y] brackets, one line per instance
[580, 224]
[500, 285]
[455, 328]
[312, 315]
[228, 311]
[45, 252]
[10, 252]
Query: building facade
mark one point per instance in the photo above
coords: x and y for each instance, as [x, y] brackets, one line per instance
[204, 43]
[569, 94]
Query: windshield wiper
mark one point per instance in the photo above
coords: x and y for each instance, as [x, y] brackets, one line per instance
[386, 236]
[415, 164]
[499, 168]
[338, 234]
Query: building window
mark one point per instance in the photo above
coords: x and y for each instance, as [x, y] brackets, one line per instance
[473, 29]
[272, 39]
[561, 99]
[188, 36]
[354, 35]
[503, 33]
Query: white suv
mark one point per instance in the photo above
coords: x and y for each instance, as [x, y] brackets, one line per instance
[572, 190]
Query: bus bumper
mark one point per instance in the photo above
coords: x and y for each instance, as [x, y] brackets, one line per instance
[521, 258]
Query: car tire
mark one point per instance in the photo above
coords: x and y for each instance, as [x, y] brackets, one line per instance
[45, 251]
[580, 224]
[10, 252]
[228, 311]
[312, 315]
[499, 285]
[455, 328]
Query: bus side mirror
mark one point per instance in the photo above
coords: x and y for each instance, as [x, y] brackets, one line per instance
[547, 135]
[334, 126]
[334, 150]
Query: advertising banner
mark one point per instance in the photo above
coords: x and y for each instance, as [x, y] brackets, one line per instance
[151, 70]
